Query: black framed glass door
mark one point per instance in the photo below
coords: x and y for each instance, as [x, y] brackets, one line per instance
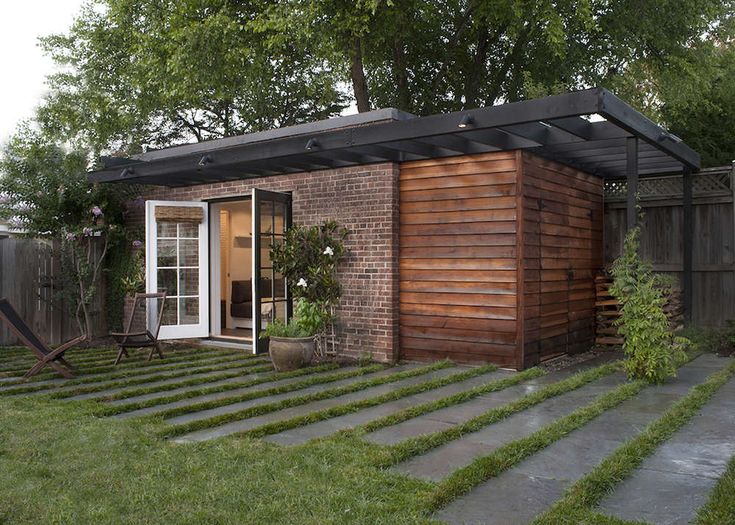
[271, 300]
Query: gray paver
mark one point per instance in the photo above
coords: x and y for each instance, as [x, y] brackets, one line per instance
[324, 428]
[447, 417]
[246, 424]
[676, 480]
[567, 460]
[442, 461]
[216, 395]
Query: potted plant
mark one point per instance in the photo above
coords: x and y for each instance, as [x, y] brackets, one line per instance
[308, 258]
[292, 344]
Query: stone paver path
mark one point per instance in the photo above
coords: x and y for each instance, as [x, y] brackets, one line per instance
[456, 414]
[443, 460]
[330, 426]
[518, 495]
[672, 484]
[288, 413]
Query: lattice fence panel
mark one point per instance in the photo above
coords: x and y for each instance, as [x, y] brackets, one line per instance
[704, 183]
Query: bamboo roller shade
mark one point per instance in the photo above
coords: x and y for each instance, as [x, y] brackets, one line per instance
[191, 214]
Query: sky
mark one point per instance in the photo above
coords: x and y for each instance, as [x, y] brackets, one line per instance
[23, 65]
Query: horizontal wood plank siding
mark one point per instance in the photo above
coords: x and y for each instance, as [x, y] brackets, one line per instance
[562, 252]
[459, 258]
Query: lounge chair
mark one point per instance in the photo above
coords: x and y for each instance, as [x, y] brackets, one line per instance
[45, 355]
[148, 311]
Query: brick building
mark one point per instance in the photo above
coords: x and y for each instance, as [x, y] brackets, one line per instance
[474, 236]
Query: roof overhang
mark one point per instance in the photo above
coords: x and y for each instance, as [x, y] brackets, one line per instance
[585, 129]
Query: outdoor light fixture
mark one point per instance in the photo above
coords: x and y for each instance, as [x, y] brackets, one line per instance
[465, 122]
[206, 159]
[669, 136]
[126, 172]
[311, 144]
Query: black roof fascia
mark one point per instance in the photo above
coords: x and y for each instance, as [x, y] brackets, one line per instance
[425, 131]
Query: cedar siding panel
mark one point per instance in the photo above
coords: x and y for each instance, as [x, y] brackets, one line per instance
[458, 259]
[562, 252]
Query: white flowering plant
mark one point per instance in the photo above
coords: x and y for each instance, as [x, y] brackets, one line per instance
[309, 258]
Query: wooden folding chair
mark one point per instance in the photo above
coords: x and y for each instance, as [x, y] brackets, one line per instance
[144, 338]
[45, 355]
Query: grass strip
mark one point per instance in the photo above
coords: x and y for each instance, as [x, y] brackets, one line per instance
[421, 444]
[111, 410]
[720, 508]
[580, 499]
[133, 368]
[454, 399]
[348, 408]
[98, 384]
[483, 468]
[224, 373]
[84, 364]
[177, 430]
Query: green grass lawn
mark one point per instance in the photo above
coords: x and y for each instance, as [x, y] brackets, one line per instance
[67, 463]
[59, 463]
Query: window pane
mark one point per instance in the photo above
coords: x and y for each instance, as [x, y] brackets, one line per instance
[167, 282]
[188, 252]
[189, 281]
[166, 229]
[266, 216]
[189, 310]
[166, 256]
[280, 225]
[188, 230]
[169, 313]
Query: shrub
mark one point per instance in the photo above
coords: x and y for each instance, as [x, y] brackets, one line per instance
[649, 345]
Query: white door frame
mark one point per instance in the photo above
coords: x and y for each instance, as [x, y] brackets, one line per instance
[190, 330]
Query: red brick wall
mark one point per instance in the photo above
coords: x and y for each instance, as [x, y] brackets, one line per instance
[365, 200]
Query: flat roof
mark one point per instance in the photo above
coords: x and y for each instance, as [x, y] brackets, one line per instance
[586, 129]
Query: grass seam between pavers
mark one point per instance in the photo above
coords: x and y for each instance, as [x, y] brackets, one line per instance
[114, 382]
[81, 361]
[491, 465]
[277, 376]
[394, 454]
[137, 366]
[258, 410]
[123, 373]
[720, 506]
[183, 379]
[448, 401]
[348, 408]
[583, 496]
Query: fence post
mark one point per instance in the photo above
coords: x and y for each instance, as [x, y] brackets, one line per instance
[688, 224]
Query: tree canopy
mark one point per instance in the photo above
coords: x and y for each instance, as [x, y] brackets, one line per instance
[155, 72]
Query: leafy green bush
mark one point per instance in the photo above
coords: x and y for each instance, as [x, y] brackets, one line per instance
[280, 329]
[651, 349]
[308, 258]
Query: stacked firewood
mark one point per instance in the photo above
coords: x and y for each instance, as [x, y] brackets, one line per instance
[608, 311]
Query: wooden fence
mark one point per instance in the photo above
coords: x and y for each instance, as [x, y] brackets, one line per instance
[713, 279]
[27, 268]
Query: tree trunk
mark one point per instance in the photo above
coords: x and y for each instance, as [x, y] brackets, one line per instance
[401, 75]
[357, 72]
[472, 86]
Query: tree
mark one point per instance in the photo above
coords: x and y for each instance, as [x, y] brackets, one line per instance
[151, 73]
[45, 194]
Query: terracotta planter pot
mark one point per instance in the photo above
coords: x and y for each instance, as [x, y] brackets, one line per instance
[290, 353]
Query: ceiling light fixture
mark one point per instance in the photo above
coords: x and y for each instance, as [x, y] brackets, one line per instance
[465, 122]
[311, 144]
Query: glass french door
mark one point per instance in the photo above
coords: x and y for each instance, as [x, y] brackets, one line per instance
[271, 301]
[177, 262]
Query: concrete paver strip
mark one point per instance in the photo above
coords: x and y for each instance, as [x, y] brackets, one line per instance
[518, 495]
[302, 434]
